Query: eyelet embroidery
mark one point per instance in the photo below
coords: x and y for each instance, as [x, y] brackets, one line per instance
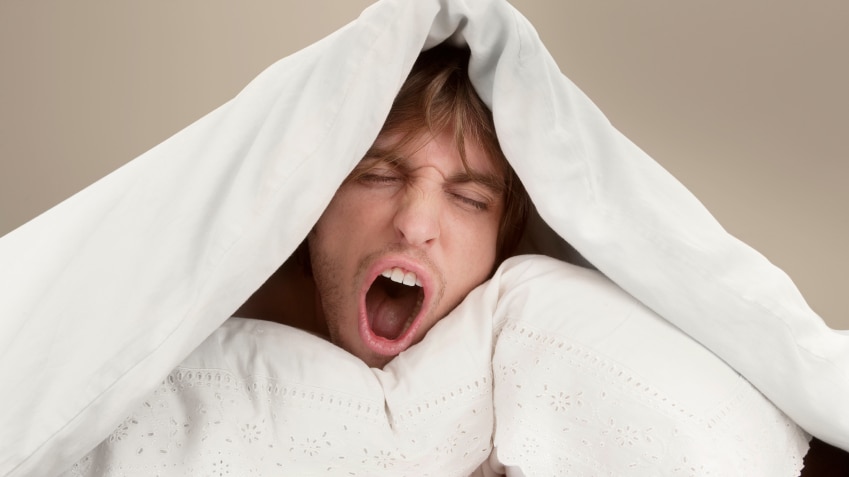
[613, 423]
[209, 422]
[560, 409]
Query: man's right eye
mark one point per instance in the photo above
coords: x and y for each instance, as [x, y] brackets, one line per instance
[378, 177]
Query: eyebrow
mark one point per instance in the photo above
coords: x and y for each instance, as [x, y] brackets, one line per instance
[494, 182]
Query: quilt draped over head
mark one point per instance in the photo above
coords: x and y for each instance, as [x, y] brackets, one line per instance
[105, 293]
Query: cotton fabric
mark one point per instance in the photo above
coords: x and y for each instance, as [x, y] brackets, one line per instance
[552, 366]
[111, 289]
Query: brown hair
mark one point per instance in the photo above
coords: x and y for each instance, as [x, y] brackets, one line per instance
[438, 95]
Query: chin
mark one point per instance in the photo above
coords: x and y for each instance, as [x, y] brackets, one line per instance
[377, 361]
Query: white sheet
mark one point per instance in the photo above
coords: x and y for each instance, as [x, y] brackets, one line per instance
[108, 291]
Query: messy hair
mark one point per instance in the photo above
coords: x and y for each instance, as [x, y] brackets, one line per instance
[438, 96]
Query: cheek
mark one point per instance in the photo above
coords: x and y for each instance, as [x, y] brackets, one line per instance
[348, 228]
[325, 248]
[338, 217]
[351, 208]
[475, 258]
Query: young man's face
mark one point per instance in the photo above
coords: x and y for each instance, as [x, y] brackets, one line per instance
[422, 219]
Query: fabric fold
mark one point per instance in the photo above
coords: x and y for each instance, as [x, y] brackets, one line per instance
[108, 291]
[562, 373]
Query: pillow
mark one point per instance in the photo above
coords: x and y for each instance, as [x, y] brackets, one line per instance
[584, 381]
[588, 381]
[156, 266]
[260, 398]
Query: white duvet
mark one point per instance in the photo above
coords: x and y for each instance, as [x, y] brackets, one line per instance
[106, 293]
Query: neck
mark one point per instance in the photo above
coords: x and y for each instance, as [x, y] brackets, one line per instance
[288, 297]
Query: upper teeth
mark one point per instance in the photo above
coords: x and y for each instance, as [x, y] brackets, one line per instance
[399, 275]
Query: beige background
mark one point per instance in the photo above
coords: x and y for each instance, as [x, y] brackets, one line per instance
[745, 101]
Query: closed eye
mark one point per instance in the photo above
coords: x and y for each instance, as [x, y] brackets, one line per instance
[378, 178]
[475, 204]
[377, 174]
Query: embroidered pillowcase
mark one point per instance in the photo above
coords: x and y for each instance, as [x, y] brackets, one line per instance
[560, 369]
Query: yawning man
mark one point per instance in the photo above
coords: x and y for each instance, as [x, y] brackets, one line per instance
[423, 219]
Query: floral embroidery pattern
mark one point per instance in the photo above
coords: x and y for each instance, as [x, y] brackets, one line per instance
[556, 407]
[613, 422]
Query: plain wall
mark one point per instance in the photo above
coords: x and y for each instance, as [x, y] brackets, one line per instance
[745, 102]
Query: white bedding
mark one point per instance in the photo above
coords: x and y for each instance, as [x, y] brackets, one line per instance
[107, 292]
[612, 389]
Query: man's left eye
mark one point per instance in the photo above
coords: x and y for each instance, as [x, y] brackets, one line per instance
[470, 202]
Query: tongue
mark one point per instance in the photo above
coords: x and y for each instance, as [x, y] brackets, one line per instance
[388, 310]
[387, 319]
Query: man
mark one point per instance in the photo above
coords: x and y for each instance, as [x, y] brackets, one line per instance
[155, 265]
[423, 219]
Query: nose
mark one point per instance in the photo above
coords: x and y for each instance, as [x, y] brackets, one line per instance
[417, 218]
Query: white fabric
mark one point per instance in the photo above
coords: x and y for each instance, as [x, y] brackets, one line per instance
[107, 292]
[610, 390]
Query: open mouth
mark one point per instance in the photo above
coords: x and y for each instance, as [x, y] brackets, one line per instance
[390, 309]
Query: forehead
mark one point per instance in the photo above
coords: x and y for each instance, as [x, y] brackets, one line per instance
[400, 146]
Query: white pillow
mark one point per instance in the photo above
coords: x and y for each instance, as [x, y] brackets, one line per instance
[586, 382]
[159, 253]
